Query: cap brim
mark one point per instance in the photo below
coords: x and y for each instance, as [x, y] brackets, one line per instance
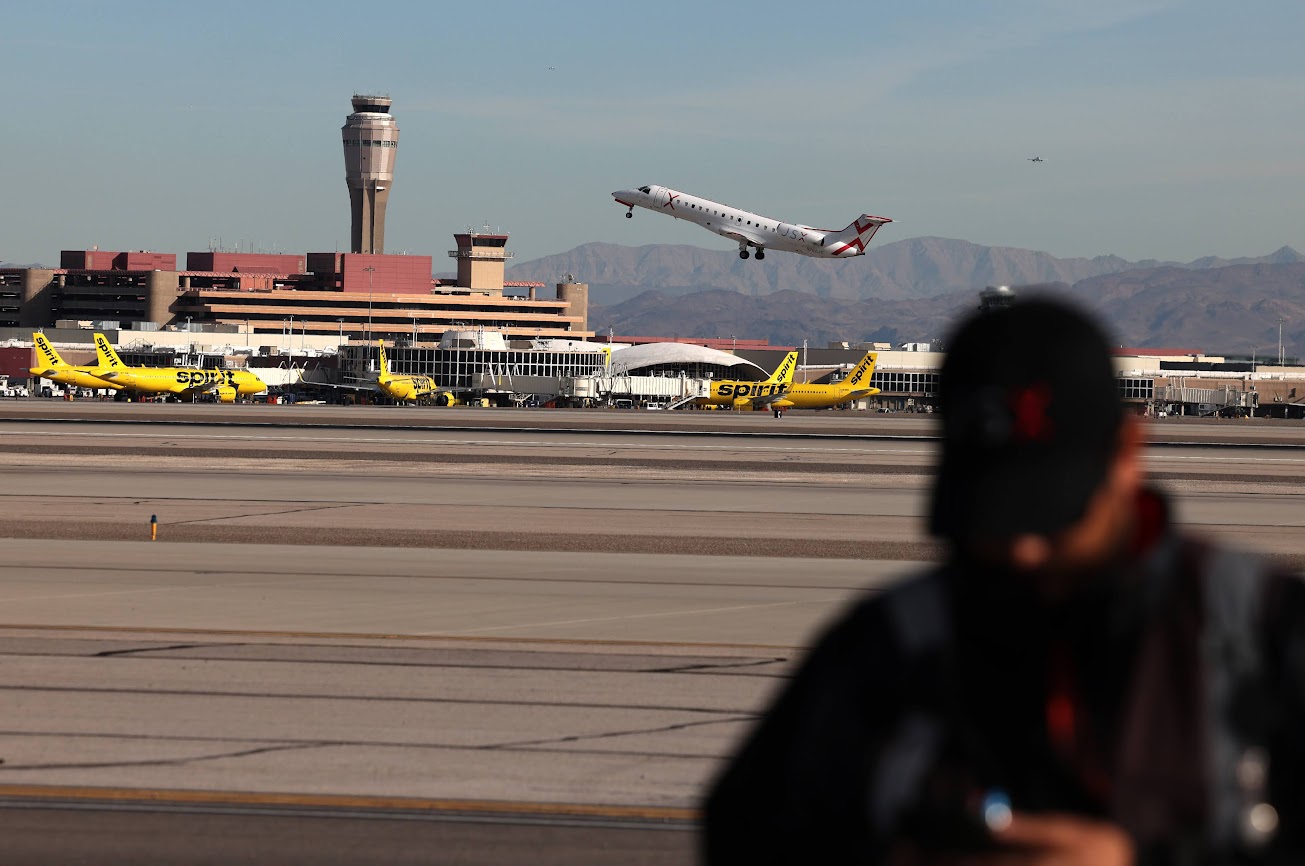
[1030, 493]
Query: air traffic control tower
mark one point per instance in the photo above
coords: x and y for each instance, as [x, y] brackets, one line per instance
[371, 141]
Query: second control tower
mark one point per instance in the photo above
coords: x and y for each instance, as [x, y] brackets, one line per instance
[371, 141]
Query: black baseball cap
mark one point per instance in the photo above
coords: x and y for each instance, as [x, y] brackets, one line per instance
[1030, 421]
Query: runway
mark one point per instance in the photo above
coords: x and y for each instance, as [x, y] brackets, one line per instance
[457, 624]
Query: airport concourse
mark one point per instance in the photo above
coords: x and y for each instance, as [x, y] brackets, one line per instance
[555, 621]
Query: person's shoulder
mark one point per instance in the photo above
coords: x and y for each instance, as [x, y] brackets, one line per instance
[1267, 587]
[907, 615]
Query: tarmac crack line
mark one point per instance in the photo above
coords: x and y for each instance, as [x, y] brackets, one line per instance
[105, 654]
[339, 744]
[165, 762]
[708, 666]
[580, 738]
[260, 514]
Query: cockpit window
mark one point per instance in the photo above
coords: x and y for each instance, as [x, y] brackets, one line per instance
[645, 189]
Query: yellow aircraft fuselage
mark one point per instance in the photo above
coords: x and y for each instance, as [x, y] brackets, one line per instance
[226, 384]
[182, 380]
[746, 395]
[854, 387]
[404, 388]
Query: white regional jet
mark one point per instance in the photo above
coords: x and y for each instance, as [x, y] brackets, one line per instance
[753, 230]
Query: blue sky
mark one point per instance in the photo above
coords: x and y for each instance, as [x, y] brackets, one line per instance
[1170, 130]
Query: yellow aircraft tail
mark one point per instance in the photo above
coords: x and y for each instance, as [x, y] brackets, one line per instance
[107, 356]
[783, 374]
[48, 356]
[862, 373]
[383, 366]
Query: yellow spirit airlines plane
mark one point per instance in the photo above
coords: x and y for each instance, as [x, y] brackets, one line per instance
[52, 367]
[854, 387]
[182, 381]
[753, 395]
[749, 229]
[403, 388]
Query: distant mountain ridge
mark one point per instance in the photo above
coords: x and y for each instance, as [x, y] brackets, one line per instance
[1232, 309]
[913, 268]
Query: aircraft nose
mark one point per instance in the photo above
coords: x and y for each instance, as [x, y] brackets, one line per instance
[624, 195]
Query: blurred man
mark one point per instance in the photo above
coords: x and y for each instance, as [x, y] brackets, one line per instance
[1076, 684]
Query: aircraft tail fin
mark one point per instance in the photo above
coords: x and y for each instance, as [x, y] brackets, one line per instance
[106, 355]
[858, 234]
[49, 357]
[783, 374]
[862, 373]
[383, 365]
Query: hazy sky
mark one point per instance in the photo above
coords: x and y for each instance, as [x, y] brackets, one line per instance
[1170, 130]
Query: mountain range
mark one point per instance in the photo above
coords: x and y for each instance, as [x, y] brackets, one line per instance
[1223, 310]
[915, 268]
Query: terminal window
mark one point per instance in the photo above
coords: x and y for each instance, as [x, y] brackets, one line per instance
[923, 384]
[1136, 389]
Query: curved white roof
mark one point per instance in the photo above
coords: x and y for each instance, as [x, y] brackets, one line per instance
[653, 354]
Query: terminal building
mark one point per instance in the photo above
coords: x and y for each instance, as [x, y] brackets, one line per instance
[363, 294]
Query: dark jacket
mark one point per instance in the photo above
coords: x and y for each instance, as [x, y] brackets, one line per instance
[1119, 705]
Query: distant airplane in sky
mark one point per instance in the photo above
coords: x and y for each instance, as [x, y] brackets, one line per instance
[1036, 159]
[753, 230]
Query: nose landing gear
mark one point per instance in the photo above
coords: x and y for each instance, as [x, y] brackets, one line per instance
[629, 214]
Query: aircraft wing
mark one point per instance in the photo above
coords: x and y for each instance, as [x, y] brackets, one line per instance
[743, 236]
[370, 386]
[767, 399]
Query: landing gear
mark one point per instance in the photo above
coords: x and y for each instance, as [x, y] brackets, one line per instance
[743, 254]
[761, 254]
[629, 214]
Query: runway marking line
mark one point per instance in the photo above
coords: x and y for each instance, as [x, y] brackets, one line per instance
[429, 637]
[169, 796]
[300, 440]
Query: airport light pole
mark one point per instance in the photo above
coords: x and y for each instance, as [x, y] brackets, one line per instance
[341, 321]
[370, 270]
[414, 330]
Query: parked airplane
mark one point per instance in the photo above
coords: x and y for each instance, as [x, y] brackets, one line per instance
[182, 381]
[753, 395]
[54, 368]
[753, 230]
[417, 389]
[854, 387]
[403, 388]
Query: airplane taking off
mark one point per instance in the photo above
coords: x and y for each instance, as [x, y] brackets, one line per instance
[854, 387]
[1036, 159]
[182, 381]
[753, 395]
[55, 369]
[753, 230]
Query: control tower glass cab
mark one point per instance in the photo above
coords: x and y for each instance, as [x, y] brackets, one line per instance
[371, 142]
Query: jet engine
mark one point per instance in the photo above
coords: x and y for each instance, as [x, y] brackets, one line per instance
[226, 394]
